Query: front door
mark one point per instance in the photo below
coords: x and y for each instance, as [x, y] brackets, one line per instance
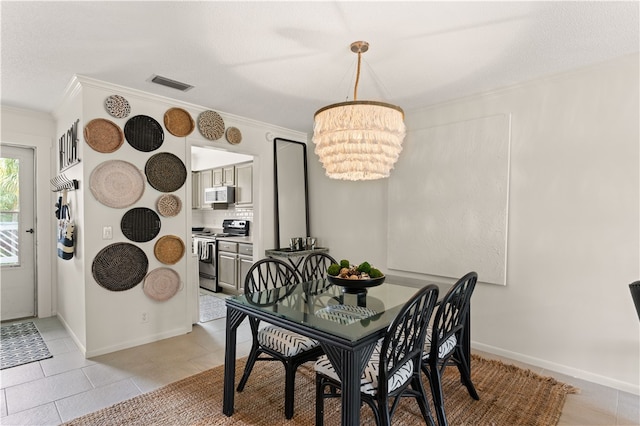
[17, 233]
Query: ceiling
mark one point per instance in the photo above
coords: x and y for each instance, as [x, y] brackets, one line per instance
[279, 62]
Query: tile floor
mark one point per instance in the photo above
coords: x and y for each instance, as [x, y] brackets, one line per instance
[66, 386]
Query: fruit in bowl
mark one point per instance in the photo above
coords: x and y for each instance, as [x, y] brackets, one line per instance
[360, 276]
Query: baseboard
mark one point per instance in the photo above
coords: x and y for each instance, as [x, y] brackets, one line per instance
[137, 342]
[559, 368]
[75, 339]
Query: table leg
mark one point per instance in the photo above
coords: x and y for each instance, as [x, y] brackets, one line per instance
[234, 318]
[349, 365]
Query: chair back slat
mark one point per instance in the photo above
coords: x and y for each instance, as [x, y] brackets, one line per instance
[452, 311]
[315, 266]
[405, 336]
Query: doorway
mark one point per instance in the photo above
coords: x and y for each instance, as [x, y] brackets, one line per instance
[17, 233]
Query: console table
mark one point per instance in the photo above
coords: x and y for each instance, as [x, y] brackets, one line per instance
[295, 257]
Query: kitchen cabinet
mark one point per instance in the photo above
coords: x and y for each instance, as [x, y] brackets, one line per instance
[216, 177]
[228, 176]
[234, 261]
[196, 191]
[244, 184]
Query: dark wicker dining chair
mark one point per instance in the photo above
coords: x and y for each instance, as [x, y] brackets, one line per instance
[315, 266]
[272, 343]
[635, 294]
[443, 344]
[393, 371]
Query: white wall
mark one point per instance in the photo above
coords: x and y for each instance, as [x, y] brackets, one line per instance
[101, 320]
[573, 242]
[35, 129]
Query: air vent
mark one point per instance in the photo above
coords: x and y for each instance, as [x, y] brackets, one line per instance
[164, 81]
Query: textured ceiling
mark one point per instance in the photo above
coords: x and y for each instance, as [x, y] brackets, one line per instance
[279, 62]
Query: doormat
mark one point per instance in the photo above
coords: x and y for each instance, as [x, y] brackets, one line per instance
[21, 344]
[211, 308]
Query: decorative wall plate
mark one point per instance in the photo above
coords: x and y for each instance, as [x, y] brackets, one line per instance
[144, 133]
[234, 136]
[179, 122]
[116, 183]
[120, 266]
[140, 224]
[103, 135]
[165, 172]
[169, 249]
[169, 205]
[211, 125]
[117, 106]
[161, 284]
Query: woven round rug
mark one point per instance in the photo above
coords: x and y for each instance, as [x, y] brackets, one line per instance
[117, 106]
[233, 135]
[144, 133]
[120, 266]
[165, 172]
[178, 122]
[169, 249]
[169, 205]
[161, 284]
[103, 135]
[140, 224]
[211, 125]
[116, 183]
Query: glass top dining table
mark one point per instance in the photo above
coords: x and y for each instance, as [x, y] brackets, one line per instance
[346, 322]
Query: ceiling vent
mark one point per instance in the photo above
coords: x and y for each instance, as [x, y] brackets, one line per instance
[164, 81]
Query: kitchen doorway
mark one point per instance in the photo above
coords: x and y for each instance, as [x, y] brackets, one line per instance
[17, 233]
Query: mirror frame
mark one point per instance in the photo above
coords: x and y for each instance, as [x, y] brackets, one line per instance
[275, 180]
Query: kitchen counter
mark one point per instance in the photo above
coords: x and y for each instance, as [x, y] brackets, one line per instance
[243, 240]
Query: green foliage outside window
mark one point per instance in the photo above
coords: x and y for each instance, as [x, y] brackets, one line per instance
[9, 195]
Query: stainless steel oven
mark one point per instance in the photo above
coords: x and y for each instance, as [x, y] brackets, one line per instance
[206, 249]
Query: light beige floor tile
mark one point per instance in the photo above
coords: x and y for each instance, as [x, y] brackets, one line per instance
[104, 374]
[59, 346]
[96, 399]
[45, 415]
[20, 374]
[575, 413]
[38, 392]
[3, 404]
[161, 374]
[64, 362]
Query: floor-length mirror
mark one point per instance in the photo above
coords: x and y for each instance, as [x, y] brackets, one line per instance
[291, 200]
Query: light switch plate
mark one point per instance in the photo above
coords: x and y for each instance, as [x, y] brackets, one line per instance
[107, 233]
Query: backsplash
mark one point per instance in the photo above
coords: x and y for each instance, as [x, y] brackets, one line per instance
[213, 218]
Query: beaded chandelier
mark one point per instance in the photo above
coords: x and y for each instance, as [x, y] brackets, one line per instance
[358, 140]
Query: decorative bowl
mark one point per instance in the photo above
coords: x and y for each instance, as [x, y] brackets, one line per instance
[355, 284]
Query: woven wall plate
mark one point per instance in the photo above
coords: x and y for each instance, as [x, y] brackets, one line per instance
[165, 172]
[144, 133]
[117, 106]
[116, 183]
[140, 224]
[161, 284]
[120, 266]
[179, 122]
[103, 135]
[211, 125]
[169, 205]
[234, 136]
[169, 249]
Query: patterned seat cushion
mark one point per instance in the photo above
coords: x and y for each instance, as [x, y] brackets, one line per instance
[286, 342]
[369, 379]
[445, 347]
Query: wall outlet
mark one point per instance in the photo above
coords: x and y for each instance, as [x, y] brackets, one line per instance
[144, 318]
[107, 233]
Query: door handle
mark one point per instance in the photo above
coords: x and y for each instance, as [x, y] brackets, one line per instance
[30, 230]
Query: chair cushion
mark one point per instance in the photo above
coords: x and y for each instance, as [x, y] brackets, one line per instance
[445, 347]
[286, 342]
[369, 379]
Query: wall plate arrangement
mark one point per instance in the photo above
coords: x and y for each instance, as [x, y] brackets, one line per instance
[161, 284]
[233, 135]
[103, 135]
[140, 224]
[117, 106]
[211, 125]
[165, 172]
[179, 122]
[120, 266]
[116, 183]
[144, 133]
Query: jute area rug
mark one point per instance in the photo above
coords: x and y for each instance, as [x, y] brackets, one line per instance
[508, 396]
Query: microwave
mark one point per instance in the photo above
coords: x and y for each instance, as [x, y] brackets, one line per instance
[220, 194]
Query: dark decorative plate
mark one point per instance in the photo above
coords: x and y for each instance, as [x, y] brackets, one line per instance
[140, 224]
[165, 172]
[144, 133]
[120, 266]
[355, 284]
